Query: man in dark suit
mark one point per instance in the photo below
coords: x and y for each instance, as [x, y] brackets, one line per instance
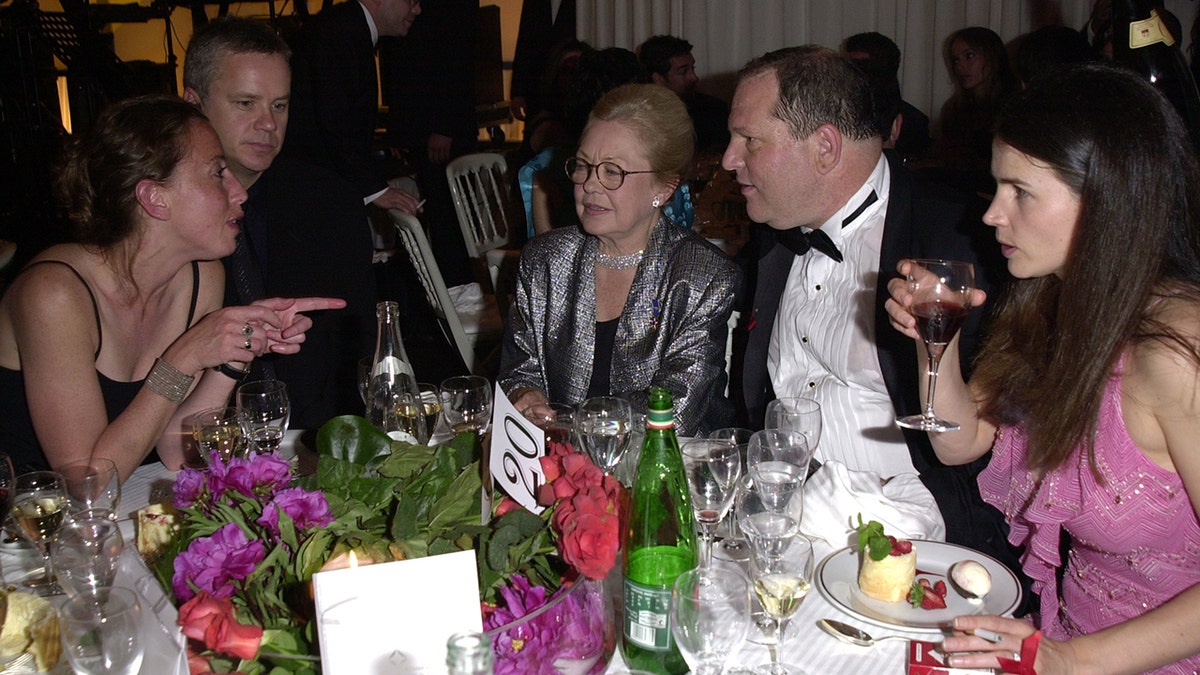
[544, 24]
[335, 94]
[810, 163]
[302, 233]
[670, 63]
[880, 58]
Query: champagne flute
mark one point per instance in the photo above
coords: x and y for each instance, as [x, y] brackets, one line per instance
[733, 546]
[602, 425]
[941, 291]
[101, 632]
[39, 504]
[86, 553]
[797, 414]
[782, 579]
[713, 469]
[266, 409]
[467, 403]
[710, 616]
[778, 460]
[93, 485]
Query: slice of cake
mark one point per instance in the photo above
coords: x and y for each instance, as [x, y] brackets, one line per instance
[157, 525]
[31, 625]
[888, 565]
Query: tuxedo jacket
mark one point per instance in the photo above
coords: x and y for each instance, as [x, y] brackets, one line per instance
[335, 96]
[318, 244]
[923, 220]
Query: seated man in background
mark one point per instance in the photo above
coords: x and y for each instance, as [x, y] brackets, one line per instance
[670, 63]
[879, 57]
[302, 233]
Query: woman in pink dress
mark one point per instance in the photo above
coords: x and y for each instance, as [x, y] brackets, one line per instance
[1088, 390]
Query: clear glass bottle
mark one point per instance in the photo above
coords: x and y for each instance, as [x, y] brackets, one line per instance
[660, 544]
[393, 399]
[468, 654]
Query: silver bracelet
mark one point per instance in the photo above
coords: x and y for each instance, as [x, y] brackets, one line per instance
[166, 381]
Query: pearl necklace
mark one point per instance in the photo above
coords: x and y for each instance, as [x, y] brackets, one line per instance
[618, 262]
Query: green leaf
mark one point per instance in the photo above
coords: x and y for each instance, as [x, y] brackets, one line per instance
[353, 438]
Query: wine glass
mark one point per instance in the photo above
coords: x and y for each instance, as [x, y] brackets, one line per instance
[431, 406]
[783, 575]
[602, 425]
[710, 616]
[733, 547]
[467, 403]
[797, 414]
[778, 460]
[266, 409]
[39, 504]
[93, 485]
[713, 468]
[86, 553]
[941, 292]
[101, 632]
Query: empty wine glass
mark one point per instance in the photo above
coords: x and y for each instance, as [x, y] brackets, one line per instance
[602, 425]
[778, 460]
[86, 553]
[101, 632]
[941, 298]
[782, 578]
[713, 468]
[467, 403]
[797, 414]
[709, 616]
[266, 410]
[39, 504]
[92, 485]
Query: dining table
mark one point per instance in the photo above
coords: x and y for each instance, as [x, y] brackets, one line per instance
[804, 645]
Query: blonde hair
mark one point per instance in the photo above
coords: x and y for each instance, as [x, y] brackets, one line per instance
[659, 120]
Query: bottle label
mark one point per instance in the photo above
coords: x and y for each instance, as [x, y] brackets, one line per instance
[392, 366]
[646, 612]
[1149, 31]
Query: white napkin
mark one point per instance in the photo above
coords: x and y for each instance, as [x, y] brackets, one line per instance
[477, 312]
[835, 495]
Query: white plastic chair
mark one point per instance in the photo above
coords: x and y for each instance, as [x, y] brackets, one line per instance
[465, 328]
[479, 188]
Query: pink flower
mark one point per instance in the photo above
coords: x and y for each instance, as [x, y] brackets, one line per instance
[306, 509]
[215, 562]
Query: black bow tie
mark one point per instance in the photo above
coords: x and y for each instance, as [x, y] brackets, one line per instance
[799, 242]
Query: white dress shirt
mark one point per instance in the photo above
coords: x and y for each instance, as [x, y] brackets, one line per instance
[823, 342]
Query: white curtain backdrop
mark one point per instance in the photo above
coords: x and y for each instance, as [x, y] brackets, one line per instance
[728, 33]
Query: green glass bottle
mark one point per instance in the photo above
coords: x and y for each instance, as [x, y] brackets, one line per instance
[659, 546]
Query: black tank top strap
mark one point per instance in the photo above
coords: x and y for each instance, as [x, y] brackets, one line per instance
[195, 294]
[95, 307]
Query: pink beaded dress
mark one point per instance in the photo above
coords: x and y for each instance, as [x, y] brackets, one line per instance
[1135, 538]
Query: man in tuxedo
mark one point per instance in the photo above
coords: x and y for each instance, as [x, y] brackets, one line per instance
[335, 94]
[841, 215]
[670, 63]
[544, 24]
[302, 232]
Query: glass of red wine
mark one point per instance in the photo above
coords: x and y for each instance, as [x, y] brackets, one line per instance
[941, 291]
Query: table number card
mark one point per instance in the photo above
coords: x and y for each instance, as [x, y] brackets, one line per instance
[394, 618]
[517, 445]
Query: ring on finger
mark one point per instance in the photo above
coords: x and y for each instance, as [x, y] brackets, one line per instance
[247, 330]
[247, 343]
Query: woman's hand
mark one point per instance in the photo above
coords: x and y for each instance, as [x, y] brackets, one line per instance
[286, 334]
[899, 305]
[966, 650]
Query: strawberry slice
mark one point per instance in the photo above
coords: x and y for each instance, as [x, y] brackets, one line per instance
[940, 588]
[932, 600]
[900, 546]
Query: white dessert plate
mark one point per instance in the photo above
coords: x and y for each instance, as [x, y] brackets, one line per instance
[837, 582]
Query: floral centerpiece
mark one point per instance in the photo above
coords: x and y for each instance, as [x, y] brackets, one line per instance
[252, 535]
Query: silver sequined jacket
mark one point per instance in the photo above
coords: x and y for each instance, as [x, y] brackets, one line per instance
[671, 332]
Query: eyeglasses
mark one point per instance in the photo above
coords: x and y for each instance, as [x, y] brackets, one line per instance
[610, 175]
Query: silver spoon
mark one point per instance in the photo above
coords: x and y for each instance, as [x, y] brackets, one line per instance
[851, 635]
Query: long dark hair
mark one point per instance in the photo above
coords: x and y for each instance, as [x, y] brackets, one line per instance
[1120, 146]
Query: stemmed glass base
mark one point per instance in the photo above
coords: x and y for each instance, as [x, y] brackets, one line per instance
[927, 423]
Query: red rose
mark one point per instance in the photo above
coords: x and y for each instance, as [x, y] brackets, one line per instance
[589, 543]
[210, 620]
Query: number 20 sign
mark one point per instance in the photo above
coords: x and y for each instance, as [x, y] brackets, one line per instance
[517, 447]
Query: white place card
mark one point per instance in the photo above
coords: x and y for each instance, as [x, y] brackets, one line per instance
[517, 446]
[394, 618]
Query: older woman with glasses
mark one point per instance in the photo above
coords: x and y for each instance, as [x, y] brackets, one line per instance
[629, 300]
